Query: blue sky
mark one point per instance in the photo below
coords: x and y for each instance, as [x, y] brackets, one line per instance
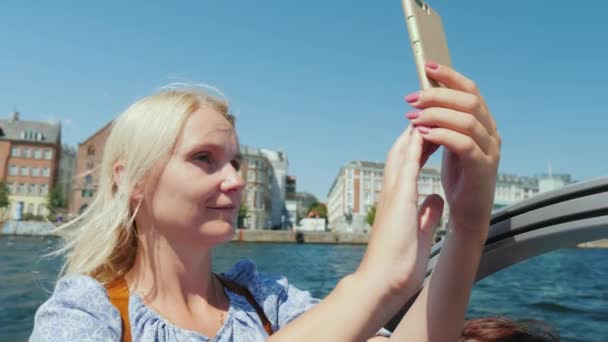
[322, 81]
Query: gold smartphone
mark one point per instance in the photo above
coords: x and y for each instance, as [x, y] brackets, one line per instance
[427, 38]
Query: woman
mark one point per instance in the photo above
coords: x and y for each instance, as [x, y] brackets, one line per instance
[170, 188]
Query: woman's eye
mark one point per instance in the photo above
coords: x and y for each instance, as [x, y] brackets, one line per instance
[203, 157]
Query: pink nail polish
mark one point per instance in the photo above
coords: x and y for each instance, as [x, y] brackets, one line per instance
[413, 97]
[423, 129]
[412, 115]
[431, 65]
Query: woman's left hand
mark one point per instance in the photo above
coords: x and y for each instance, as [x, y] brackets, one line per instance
[458, 118]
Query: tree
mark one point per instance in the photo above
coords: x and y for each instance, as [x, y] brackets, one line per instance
[4, 202]
[55, 200]
[317, 209]
[243, 211]
[371, 215]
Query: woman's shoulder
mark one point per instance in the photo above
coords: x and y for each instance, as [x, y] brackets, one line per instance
[280, 300]
[78, 309]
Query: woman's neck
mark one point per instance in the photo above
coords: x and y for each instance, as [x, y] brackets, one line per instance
[164, 272]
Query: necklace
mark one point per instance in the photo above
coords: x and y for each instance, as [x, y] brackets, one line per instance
[219, 302]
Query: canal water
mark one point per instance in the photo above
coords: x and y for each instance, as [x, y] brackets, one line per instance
[568, 289]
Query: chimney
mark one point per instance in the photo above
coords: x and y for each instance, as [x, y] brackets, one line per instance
[15, 116]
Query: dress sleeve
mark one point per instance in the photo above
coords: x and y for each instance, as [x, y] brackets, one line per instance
[293, 302]
[78, 310]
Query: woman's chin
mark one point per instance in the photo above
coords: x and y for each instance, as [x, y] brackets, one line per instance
[218, 231]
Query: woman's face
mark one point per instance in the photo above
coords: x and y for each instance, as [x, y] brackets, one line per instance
[194, 198]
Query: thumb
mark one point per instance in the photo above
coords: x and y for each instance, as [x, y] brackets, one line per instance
[429, 216]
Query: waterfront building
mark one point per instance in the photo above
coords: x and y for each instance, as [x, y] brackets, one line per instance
[67, 167]
[86, 176]
[357, 188]
[29, 159]
[280, 166]
[291, 203]
[257, 173]
[513, 188]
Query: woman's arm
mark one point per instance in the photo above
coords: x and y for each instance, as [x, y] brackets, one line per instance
[395, 260]
[461, 122]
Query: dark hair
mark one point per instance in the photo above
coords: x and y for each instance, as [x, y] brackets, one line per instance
[501, 329]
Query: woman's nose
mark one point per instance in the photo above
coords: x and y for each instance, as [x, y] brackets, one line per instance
[232, 180]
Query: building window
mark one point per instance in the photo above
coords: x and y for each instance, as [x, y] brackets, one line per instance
[88, 179]
[16, 152]
[48, 154]
[11, 188]
[27, 152]
[251, 176]
[91, 150]
[32, 189]
[35, 172]
[12, 170]
[37, 153]
[90, 165]
[21, 188]
[46, 172]
[25, 171]
[44, 188]
[87, 193]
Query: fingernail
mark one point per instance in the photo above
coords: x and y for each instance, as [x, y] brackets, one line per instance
[413, 97]
[423, 129]
[412, 115]
[431, 65]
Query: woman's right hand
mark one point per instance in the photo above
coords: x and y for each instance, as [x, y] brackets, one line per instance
[399, 245]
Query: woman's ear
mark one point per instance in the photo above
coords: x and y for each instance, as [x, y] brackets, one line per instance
[117, 174]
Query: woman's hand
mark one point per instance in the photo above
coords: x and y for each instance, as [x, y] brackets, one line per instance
[458, 118]
[394, 264]
[400, 241]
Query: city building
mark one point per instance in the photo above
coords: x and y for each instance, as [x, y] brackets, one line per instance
[29, 160]
[358, 184]
[280, 165]
[67, 167]
[291, 203]
[257, 173]
[86, 176]
[357, 188]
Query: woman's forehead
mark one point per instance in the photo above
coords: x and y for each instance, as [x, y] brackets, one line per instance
[207, 126]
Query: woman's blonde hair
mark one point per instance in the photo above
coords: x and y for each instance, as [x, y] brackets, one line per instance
[102, 241]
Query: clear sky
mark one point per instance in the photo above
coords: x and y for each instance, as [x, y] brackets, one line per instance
[322, 81]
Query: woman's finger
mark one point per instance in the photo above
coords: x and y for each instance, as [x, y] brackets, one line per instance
[450, 78]
[453, 99]
[403, 166]
[454, 120]
[461, 145]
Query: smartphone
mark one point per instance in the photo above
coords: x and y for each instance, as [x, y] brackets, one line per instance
[427, 38]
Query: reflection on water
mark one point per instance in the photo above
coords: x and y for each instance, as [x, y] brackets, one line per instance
[568, 289]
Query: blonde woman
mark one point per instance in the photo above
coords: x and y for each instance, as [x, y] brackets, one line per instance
[138, 261]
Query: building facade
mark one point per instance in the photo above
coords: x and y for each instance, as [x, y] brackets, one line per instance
[358, 184]
[257, 173]
[280, 166]
[65, 176]
[357, 189]
[29, 160]
[86, 176]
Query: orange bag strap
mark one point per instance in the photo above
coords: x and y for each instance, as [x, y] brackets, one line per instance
[118, 291]
[243, 291]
